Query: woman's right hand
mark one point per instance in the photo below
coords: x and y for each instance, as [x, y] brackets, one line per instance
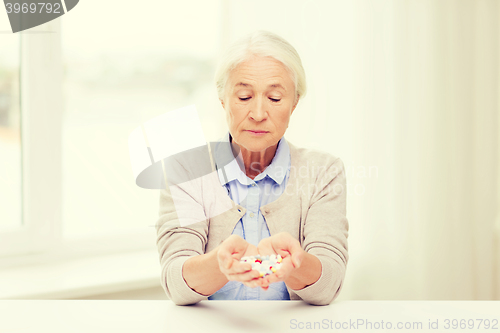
[229, 254]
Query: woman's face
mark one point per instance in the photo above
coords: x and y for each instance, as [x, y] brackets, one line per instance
[259, 100]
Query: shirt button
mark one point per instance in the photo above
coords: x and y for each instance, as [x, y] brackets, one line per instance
[253, 184]
[252, 215]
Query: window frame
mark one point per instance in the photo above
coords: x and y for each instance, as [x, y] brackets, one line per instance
[40, 117]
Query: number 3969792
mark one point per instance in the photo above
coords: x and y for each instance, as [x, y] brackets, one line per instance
[40, 7]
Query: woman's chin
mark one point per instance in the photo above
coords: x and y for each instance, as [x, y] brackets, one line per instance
[256, 147]
[256, 143]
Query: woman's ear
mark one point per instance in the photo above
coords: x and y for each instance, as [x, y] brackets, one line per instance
[222, 102]
[295, 104]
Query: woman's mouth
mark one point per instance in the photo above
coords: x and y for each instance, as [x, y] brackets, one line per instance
[257, 132]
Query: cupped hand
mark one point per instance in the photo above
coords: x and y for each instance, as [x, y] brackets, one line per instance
[229, 254]
[290, 250]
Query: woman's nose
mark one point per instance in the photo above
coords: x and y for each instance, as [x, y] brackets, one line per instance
[258, 111]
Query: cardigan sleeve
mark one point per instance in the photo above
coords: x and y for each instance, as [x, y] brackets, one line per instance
[325, 234]
[178, 241]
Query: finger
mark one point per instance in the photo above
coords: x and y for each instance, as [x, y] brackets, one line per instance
[224, 257]
[264, 242]
[272, 279]
[253, 283]
[266, 249]
[297, 259]
[238, 267]
[286, 268]
[285, 244]
[236, 242]
[244, 277]
[251, 250]
[265, 282]
[235, 268]
[224, 261]
[282, 273]
[297, 253]
[228, 262]
[282, 241]
[235, 246]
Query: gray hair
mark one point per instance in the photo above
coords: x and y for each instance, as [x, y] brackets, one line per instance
[266, 44]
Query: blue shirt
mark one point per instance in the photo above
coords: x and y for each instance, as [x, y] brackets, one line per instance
[252, 194]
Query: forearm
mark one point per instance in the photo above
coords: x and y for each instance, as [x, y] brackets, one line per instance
[202, 273]
[307, 274]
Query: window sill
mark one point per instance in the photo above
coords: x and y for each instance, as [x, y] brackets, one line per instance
[82, 277]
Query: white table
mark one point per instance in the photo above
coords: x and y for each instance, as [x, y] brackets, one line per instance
[236, 316]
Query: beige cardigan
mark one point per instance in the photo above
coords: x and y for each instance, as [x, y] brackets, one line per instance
[311, 209]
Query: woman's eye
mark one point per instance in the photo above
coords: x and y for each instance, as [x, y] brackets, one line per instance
[275, 99]
[244, 98]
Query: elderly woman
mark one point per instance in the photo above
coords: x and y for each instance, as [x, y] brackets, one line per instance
[278, 198]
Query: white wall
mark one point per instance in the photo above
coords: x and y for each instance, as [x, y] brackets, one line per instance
[409, 88]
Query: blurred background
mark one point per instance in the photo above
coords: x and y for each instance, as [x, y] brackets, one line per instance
[405, 92]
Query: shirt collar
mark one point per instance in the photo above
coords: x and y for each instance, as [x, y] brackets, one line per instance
[224, 157]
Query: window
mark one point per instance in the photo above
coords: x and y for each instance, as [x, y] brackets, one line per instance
[10, 133]
[36, 124]
[81, 91]
[139, 67]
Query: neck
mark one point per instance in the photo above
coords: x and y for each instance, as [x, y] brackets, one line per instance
[253, 162]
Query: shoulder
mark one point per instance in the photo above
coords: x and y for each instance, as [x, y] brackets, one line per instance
[311, 158]
[320, 175]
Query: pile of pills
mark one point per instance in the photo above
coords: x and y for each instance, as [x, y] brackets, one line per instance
[264, 264]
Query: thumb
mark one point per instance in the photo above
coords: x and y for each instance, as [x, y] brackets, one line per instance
[228, 261]
[225, 258]
[297, 254]
[297, 258]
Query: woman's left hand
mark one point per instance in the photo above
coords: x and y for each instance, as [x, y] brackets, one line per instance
[290, 250]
